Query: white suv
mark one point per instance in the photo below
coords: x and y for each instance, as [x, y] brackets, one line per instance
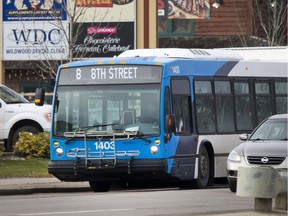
[267, 146]
[18, 114]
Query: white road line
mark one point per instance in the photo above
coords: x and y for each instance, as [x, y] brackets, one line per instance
[74, 212]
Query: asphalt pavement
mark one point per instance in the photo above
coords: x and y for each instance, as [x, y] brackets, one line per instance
[24, 186]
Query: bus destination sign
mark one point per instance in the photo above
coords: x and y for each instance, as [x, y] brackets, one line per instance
[110, 74]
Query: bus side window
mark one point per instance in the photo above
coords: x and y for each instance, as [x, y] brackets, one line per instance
[167, 104]
[244, 116]
[182, 105]
[224, 106]
[263, 100]
[204, 106]
[281, 96]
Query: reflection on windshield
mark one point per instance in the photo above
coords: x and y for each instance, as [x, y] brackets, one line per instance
[10, 96]
[271, 130]
[116, 108]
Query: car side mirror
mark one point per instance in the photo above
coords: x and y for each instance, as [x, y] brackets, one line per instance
[39, 97]
[243, 136]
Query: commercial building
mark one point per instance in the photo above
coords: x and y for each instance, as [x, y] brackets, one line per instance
[35, 39]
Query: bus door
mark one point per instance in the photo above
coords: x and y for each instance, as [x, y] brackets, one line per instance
[182, 146]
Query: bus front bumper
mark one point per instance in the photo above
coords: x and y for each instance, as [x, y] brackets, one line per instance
[108, 171]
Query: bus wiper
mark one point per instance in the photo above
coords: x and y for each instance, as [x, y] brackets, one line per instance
[140, 136]
[69, 140]
[99, 125]
[88, 128]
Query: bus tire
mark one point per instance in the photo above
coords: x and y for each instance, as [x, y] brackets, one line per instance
[203, 168]
[100, 186]
[15, 136]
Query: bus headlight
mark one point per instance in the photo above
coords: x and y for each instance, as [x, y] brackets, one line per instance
[59, 152]
[154, 149]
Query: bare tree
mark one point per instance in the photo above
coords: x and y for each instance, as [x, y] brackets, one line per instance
[46, 64]
[269, 24]
[270, 21]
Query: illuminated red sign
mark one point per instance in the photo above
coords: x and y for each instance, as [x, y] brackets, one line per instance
[94, 3]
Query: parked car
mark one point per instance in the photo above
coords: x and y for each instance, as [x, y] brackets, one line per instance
[266, 146]
[18, 114]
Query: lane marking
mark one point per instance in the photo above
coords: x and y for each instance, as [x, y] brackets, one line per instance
[74, 212]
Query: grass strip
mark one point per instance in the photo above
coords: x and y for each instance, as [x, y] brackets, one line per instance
[37, 167]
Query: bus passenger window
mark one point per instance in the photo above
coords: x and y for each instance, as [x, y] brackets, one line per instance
[167, 105]
[204, 107]
[181, 100]
[243, 106]
[263, 101]
[281, 97]
[182, 113]
[224, 107]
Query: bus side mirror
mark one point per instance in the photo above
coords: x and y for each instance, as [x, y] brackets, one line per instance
[170, 124]
[39, 97]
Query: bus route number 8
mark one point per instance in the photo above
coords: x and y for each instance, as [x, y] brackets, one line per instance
[78, 74]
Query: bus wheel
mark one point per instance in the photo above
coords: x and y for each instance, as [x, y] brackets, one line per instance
[99, 186]
[203, 168]
[15, 136]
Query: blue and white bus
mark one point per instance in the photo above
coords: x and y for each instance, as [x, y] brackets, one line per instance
[163, 114]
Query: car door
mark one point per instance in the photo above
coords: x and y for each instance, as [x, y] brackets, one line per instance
[2, 111]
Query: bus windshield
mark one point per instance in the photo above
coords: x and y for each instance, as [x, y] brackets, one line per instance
[116, 108]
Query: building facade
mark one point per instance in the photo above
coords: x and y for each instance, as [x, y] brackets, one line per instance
[35, 39]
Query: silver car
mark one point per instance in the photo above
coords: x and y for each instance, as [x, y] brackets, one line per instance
[266, 146]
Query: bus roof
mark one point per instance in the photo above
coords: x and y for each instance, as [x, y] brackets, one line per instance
[184, 53]
[244, 53]
[262, 53]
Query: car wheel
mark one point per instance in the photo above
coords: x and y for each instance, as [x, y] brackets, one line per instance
[100, 186]
[232, 186]
[204, 168]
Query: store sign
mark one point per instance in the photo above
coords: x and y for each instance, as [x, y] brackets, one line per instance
[162, 8]
[36, 10]
[184, 9]
[34, 41]
[94, 3]
[103, 39]
[107, 10]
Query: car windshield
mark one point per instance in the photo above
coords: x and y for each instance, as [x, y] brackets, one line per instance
[107, 108]
[9, 96]
[272, 129]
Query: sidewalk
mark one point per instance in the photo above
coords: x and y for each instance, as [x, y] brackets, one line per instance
[18, 186]
[24, 186]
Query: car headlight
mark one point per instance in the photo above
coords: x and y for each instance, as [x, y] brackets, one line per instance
[234, 156]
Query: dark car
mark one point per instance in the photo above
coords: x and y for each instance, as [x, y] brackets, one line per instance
[266, 146]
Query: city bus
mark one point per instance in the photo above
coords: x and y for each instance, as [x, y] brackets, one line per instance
[159, 114]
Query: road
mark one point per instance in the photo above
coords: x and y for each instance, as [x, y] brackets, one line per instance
[136, 202]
